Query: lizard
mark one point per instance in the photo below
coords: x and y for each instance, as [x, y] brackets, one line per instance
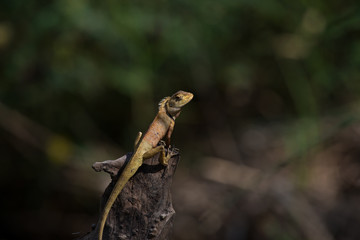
[147, 146]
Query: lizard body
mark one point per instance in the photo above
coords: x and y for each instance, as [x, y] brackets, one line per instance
[146, 147]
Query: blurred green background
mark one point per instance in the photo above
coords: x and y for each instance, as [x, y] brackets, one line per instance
[270, 144]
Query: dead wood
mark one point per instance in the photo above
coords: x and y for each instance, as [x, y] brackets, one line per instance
[143, 210]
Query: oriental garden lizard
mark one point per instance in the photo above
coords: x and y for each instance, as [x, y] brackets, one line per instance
[146, 147]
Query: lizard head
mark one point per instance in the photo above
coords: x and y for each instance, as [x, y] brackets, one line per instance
[180, 99]
[177, 101]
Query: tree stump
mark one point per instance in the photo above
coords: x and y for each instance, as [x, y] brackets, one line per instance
[143, 209]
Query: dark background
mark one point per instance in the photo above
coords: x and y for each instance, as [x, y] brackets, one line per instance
[270, 143]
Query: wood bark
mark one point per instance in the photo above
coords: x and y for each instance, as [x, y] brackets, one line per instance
[143, 209]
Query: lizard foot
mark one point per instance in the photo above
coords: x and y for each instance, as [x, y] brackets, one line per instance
[166, 154]
[162, 143]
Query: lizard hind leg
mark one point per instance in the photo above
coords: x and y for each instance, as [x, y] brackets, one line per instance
[163, 158]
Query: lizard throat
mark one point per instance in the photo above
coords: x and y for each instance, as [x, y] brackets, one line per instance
[172, 112]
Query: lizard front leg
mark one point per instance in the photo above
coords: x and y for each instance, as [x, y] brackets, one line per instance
[163, 159]
[169, 132]
[167, 142]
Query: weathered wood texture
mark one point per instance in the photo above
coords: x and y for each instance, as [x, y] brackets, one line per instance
[143, 210]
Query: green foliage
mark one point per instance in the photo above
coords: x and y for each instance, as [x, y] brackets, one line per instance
[84, 46]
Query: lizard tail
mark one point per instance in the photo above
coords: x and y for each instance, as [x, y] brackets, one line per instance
[115, 192]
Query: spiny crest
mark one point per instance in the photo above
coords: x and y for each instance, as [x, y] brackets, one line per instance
[163, 102]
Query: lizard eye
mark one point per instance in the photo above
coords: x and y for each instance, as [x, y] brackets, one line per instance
[177, 98]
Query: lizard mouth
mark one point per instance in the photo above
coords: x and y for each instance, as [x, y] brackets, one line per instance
[186, 98]
[190, 96]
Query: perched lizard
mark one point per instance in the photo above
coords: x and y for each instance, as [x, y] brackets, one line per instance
[146, 147]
